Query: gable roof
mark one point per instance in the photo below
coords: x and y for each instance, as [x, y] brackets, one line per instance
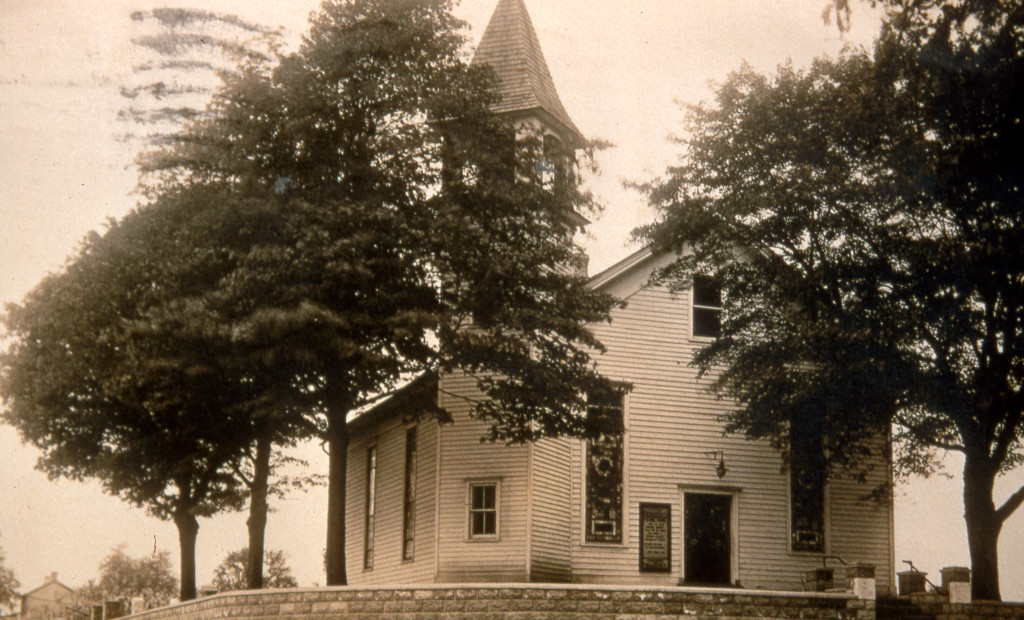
[599, 280]
[50, 581]
[511, 48]
[413, 397]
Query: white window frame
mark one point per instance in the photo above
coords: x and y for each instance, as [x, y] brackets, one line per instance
[477, 482]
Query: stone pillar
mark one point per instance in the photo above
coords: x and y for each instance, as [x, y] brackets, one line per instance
[861, 577]
[819, 579]
[911, 582]
[956, 581]
[138, 605]
[113, 609]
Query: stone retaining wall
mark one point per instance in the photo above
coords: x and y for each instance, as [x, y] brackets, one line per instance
[935, 605]
[516, 602]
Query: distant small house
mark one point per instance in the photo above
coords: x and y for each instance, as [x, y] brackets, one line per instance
[49, 600]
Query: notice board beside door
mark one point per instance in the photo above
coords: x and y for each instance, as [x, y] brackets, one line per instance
[656, 538]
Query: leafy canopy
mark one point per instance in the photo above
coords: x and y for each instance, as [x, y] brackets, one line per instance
[124, 577]
[230, 573]
[864, 221]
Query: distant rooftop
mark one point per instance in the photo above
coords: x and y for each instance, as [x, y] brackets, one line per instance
[511, 48]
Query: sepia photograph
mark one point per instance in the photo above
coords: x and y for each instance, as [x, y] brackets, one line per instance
[511, 309]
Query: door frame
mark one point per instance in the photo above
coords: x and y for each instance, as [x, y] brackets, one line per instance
[733, 494]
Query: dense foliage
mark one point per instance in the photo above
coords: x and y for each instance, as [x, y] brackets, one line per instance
[864, 221]
[124, 577]
[231, 572]
[334, 225]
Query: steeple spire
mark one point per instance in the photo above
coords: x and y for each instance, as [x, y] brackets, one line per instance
[511, 48]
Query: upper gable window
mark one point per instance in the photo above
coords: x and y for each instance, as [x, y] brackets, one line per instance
[707, 308]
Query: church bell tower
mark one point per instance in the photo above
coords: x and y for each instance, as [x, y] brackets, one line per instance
[527, 92]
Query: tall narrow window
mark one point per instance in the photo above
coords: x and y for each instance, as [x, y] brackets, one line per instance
[371, 493]
[807, 478]
[409, 504]
[707, 308]
[604, 472]
[483, 510]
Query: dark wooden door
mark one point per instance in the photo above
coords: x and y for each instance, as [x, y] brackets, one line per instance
[707, 542]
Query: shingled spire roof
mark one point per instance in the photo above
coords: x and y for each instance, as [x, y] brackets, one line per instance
[510, 47]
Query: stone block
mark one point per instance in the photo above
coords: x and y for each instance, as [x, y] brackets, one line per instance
[959, 592]
[819, 579]
[863, 587]
[593, 607]
[955, 574]
[911, 582]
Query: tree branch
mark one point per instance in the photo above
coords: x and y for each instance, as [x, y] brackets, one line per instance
[1010, 505]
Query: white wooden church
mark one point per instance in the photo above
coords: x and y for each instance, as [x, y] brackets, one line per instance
[673, 501]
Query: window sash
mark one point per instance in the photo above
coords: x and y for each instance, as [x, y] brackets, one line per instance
[371, 500]
[409, 503]
[483, 509]
[707, 308]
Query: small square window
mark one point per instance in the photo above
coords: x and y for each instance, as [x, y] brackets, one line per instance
[707, 308]
[483, 509]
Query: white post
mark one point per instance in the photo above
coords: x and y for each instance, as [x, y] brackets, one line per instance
[862, 580]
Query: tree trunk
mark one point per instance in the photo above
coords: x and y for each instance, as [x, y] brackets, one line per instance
[188, 529]
[257, 521]
[983, 527]
[337, 447]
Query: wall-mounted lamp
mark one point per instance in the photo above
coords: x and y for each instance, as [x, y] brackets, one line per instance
[718, 455]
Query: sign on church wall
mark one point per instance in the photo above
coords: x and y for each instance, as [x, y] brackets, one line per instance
[656, 538]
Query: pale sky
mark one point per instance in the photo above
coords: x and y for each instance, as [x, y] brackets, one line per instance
[619, 65]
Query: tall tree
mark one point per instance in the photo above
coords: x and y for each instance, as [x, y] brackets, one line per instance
[864, 221]
[124, 577]
[405, 214]
[232, 572]
[113, 375]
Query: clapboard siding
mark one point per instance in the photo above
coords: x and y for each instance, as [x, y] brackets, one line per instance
[388, 566]
[672, 422]
[550, 513]
[466, 459]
